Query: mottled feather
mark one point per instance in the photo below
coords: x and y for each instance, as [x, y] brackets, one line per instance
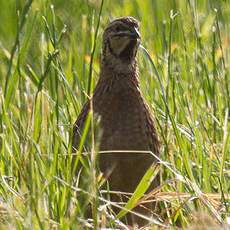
[125, 118]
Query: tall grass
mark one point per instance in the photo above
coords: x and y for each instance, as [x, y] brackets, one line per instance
[49, 63]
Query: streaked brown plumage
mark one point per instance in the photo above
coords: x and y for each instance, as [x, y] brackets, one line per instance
[125, 118]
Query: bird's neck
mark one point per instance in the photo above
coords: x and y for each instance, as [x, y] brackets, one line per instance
[118, 65]
[118, 68]
[115, 81]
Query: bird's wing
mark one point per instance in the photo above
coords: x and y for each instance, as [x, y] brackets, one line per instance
[152, 133]
[79, 125]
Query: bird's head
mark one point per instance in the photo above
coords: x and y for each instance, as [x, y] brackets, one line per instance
[120, 43]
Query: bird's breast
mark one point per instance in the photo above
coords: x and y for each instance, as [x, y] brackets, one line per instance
[123, 120]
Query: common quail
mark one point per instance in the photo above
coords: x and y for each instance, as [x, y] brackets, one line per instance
[125, 118]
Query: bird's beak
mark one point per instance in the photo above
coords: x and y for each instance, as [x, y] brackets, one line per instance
[135, 34]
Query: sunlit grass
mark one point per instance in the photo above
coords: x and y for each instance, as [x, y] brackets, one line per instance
[49, 64]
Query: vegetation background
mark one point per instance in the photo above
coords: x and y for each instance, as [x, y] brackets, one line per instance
[49, 50]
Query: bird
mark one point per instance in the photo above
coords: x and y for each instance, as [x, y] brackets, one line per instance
[126, 121]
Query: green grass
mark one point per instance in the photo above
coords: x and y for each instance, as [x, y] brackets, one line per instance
[49, 60]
